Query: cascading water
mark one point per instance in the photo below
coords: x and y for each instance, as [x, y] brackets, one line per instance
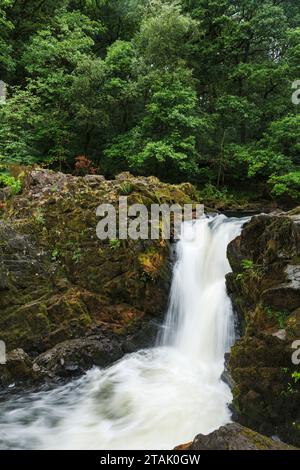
[156, 398]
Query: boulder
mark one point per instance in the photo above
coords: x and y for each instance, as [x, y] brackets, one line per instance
[18, 367]
[234, 437]
[73, 357]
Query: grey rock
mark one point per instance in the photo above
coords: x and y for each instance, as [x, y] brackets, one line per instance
[72, 357]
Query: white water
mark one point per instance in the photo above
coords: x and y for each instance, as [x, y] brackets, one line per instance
[156, 398]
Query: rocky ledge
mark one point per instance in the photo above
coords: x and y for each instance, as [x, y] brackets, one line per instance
[265, 289]
[234, 437]
[67, 299]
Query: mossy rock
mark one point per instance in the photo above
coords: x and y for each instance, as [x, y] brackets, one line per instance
[233, 436]
[58, 281]
[267, 299]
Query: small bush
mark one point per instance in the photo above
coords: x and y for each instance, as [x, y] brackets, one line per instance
[11, 182]
[280, 317]
[211, 193]
[126, 188]
[114, 243]
[287, 185]
[250, 270]
[247, 264]
[84, 166]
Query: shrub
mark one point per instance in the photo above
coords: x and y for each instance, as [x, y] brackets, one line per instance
[114, 243]
[247, 264]
[84, 166]
[11, 182]
[126, 188]
[212, 193]
[287, 185]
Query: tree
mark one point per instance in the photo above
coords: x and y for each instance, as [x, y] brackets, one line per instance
[19, 130]
[7, 63]
[50, 60]
[166, 35]
[164, 141]
[184, 89]
[244, 72]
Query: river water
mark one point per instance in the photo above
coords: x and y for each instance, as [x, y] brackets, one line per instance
[156, 398]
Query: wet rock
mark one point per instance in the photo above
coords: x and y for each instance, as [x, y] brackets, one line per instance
[18, 367]
[73, 357]
[234, 437]
[266, 295]
[226, 376]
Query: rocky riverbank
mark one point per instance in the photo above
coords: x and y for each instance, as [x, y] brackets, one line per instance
[265, 289]
[69, 300]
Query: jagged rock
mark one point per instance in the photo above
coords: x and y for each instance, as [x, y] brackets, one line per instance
[266, 296]
[234, 437]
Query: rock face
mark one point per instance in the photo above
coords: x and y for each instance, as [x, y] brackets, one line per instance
[234, 437]
[265, 290]
[60, 284]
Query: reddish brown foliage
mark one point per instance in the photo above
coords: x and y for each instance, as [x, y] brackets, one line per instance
[84, 166]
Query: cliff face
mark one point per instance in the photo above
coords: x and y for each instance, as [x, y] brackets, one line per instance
[265, 289]
[60, 285]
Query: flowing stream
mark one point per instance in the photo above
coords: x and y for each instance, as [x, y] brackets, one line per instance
[156, 398]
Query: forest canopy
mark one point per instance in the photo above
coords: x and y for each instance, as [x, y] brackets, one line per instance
[187, 90]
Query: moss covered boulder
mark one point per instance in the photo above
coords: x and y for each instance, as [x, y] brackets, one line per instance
[59, 282]
[234, 437]
[265, 290]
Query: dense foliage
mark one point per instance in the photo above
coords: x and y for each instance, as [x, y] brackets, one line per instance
[190, 89]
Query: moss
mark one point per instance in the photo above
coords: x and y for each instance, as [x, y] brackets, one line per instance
[172, 196]
[152, 263]
[266, 302]
[60, 251]
[293, 326]
[271, 248]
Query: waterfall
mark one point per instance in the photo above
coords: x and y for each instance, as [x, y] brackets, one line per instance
[199, 321]
[155, 398]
